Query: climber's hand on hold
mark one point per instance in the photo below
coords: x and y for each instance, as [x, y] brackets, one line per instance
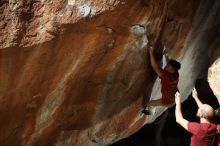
[154, 63]
[165, 52]
[166, 55]
[150, 49]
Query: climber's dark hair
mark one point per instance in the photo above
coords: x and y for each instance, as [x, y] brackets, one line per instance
[175, 64]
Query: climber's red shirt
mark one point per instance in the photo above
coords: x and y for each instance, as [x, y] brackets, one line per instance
[169, 83]
[202, 133]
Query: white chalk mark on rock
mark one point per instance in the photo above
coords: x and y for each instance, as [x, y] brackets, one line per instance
[85, 10]
[139, 32]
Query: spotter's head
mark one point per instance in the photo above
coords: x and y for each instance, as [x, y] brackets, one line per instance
[206, 111]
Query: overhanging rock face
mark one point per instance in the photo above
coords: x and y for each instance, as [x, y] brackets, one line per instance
[77, 72]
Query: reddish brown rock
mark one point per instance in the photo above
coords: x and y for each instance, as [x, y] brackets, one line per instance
[77, 72]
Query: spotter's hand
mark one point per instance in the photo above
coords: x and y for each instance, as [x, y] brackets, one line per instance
[194, 93]
[177, 98]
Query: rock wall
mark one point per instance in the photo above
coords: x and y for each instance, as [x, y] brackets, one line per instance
[77, 72]
[214, 78]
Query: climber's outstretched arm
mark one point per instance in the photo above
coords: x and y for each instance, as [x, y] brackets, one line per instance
[154, 64]
[178, 112]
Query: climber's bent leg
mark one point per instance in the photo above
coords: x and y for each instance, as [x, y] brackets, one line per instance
[153, 103]
[147, 110]
[157, 102]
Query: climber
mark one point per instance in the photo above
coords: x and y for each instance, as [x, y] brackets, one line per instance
[169, 79]
[203, 133]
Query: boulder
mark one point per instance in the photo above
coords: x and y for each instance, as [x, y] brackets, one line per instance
[77, 72]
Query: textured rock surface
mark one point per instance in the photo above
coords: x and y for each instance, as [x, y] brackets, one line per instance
[76, 72]
[214, 78]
